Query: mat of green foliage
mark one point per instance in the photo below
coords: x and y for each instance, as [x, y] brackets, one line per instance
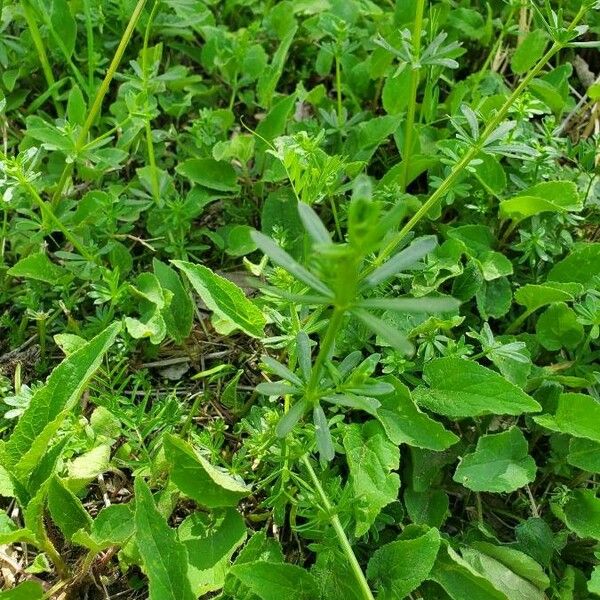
[299, 299]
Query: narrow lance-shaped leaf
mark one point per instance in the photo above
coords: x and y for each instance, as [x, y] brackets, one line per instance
[403, 260]
[314, 226]
[280, 257]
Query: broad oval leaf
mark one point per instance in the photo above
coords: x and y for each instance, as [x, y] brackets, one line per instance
[462, 388]
[224, 298]
[198, 479]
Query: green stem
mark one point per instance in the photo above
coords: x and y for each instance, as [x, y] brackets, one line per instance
[338, 88]
[49, 216]
[519, 321]
[41, 51]
[101, 93]
[473, 151]
[333, 327]
[415, 76]
[365, 590]
[149, 142]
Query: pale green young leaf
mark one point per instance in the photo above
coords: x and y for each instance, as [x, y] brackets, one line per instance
[462, 388]
[224, 298]
[28, 590]
[500, 463]
[577, 415]
[323, 435]
[165, 560]
[533, 296]
[198, 479]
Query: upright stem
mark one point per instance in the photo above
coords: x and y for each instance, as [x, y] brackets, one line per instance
[412, 99]
[363, 586]
[338, 87]
[41, 51]
[149, 142]
[473, 151]
[335, 322]
[102, 90]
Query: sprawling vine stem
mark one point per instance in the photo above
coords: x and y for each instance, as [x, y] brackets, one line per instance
[473, 151]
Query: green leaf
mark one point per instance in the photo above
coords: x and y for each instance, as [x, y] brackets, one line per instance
[558, 327]
[76, 106]
[210, 542]
[224, 298]
[581, 514]
[518, 562]
[405, 259]
[581, 266]
[313, 224]
[460, 580]
[594, 582]
[83, 469]
[533, 296]
[392, 336]
[577, 415]
[494, 265]
[494, 298]
[323, 435]
[39, 267]
[66, 509]
[290, 418]
[584, 454]
[502, 577]
[50, 404]
[535, 537]
[280, 257]
[28, 590]
[427, 508]
[404, 423]
[198, 479]
[63, 24]
[463, 388]
[179, 315]
[114, 525]
[212, 174]
[529, 51]
[164, 558]
[395, 93]
[550, 196]
[371, 458]
[267, 83]
[398, 568]
[426, 304]
[275, 581]
[500, 463]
